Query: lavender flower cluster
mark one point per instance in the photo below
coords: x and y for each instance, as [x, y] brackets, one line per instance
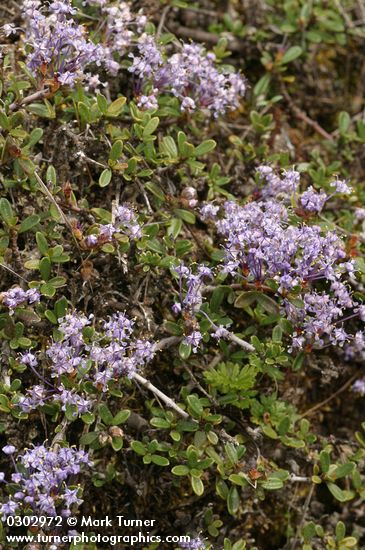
[57, 46]
[117, 35]
[42, 478]
[16, 296]
[191, 302]
[125, 223]
[305, 262]
[190, 75]
[110, 354]
[193, 544]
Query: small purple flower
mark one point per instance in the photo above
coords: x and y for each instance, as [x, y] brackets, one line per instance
[176, 308]
[148, 101]
[9, 509]
[91, 240]
[188, 104]
[359, 386]
[42, 480]
[29, 359]
[193, 340]
[221, 332]
[70, 497]
[209, 211]
[341, 186]
[9, 449]
[193, 544]
[190, 75]
[17, 296]
[361, 312]
[312, 201]
[8, 29]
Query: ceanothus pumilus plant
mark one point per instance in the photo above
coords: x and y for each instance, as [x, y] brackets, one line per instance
[177, 302]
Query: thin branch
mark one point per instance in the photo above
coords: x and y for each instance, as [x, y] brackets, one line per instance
[295, 478]
[208, 37]
[168, 342]
[33, 97]
[304, 513]
[169, 402]
[47, 192]
[232, 337]
[13, 272]
[165, 11]
[305, 118]
[242, 343]
[338, 392]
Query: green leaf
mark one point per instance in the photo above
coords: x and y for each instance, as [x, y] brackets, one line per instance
[185, 215]
[168, 147]
[309, 530]
[102, 103]
[325, 461]
[61, 307]
[160, 460]
[268, 304]
[116, 107]
[117, 443]
[245, 299]
[284, 425]
[298, 361]
[89, 438]
[205, 147]
[88, 418]
[155, 190]
[231, 453]
[195, 405]
[184, 350]
[277, 334]
[233, 501]
[42, 243]
[344, 121]
[272, 484]
[35, 136]
[340, 494]
[6, 212]
[262, 85]
[151, 126]
[292, 53]
[47, 290]
[180, 470]
[116, 151]
[343, 470]
[84, 111]
[28, 223]
[105, 177]
[238, 479]
[104, 215]
[138, 448]
[160, 423]
[4, 404]
[50, 316]
[45, 268]
[197, 485]
[340, 531]
[121, 417]
[105, 415]
[44, 110]
[270, 432]
[349, 542]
